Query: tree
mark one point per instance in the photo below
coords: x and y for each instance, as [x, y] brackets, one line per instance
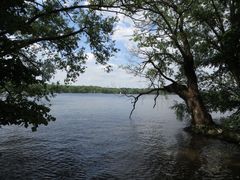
[36, 39]
[219, 28]
[190, 48]
[167, 44]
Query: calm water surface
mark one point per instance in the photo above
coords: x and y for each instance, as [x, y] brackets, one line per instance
[93, 138]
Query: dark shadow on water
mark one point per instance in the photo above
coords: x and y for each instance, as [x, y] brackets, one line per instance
[188, 160]
[198, 157]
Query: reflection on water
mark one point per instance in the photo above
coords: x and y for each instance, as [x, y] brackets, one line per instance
[93, 138]
[202, 157]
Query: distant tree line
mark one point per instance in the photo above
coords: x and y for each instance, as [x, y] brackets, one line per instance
[93, 89]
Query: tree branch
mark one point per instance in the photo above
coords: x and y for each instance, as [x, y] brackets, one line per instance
[65, 9]
[22, 43]
[136, 98]
[160, 72]
[218, 16]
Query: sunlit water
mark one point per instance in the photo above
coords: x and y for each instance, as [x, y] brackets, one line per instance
[93, 138]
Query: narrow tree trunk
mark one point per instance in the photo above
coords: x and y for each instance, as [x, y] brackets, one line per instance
[234, 66]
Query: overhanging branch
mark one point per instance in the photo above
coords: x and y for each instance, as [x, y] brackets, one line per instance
[136, 98]
[66, 9]
[160, 72]
[18, 44]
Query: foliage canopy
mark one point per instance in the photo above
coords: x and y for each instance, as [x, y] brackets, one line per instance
[190, 48]
[36, 39]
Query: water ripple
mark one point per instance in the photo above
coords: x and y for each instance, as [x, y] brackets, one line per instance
[94, 139]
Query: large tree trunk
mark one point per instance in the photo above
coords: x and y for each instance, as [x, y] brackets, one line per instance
[190, 93]
[194, 102]
[197, 109]
[192, 97]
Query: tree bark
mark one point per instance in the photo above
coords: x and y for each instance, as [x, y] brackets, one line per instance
[194, 102]
[197, 109]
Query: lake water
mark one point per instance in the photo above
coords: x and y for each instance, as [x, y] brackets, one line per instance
[93, 138]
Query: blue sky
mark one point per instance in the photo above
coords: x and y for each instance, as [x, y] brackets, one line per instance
[95, 74]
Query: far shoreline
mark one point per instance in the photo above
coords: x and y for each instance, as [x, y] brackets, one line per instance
[95, 89]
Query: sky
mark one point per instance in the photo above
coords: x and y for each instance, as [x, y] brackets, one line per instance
[95, 73]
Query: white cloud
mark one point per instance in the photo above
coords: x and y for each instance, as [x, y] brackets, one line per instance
[91, 57]
[124, 31]
[86, 2]
[96, 75]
